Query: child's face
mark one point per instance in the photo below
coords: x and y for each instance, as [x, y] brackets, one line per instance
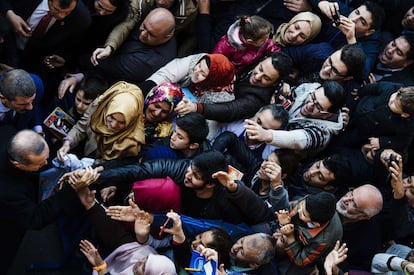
[179, 139]
[81, 103]
[395, 104]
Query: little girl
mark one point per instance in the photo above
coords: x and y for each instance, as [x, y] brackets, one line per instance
[246, 42]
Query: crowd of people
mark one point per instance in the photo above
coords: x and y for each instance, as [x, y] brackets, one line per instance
[270, 136]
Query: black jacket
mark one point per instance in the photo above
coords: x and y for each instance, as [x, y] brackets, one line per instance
[240, 206]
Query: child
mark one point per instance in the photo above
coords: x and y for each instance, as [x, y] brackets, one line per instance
[312, 228]
[246, 42]
[187, 140]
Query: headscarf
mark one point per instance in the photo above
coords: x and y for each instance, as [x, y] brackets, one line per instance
[168, 92]
[221, 74]
[313, 19]
[159, 265]
[127, 99]
[165, 92]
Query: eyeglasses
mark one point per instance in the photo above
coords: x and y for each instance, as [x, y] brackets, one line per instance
[316, 104]
[334, 71]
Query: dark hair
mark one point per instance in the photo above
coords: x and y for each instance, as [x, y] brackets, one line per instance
[115, 3]
[4, 26]
[15, 83]
[410, 40]
[64, 4]
[282, 63]
[406, 95]
[340, 167]
[254, 27]
[377, 14]
[195, 125]
[278, 112]
[24, 144]
[354, 59]
[221, 242]
[289, 160]
[336, 95]
[92, 86]
[321, 206]
[209, 163]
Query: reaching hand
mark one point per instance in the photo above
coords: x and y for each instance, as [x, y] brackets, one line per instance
[100, 53]
[297, 5]
[226, 180]
[123, 213]
[108, 193]
[334, 258]
[19, 25]
[83, 177]
[328, 8]
[185, 106]
[255, 132]
[209, 253]
[283, 217]
[177, 229]
[91, 253]
[54, 61]
[143, 221]
[63, 151]
[67, 84]
[271, 171]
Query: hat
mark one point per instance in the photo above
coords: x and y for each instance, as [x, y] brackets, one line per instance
[159, 265]
[321, 206]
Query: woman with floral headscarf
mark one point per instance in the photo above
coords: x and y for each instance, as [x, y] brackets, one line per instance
[159, 107]
[301, 29]
[112, 126]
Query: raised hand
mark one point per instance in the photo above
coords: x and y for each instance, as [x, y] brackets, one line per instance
[100, 53]
[87, 197]
[334, 258]
[255, 132]
[67, 84]
[185, 106]
[283, 217]
[123, 213]
[83, 177]
[108, 193]
[226, 180]
[143, 221]
[177, 229]
[91, 253]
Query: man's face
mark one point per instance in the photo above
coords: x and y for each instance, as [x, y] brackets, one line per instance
[316, 105]
[333, 68]
[264, 74]
[60, 13]
[81, 103]
[318, 175]
[408, 20]
[351, 206]
[244, 251]
[104, 7]
[179, 139]
[363, 20]
[193, 178]
[152, 32]
[267, 121]
[394, 55]
[408, 184]
[164, 3]
[35, 161]
[19, 104]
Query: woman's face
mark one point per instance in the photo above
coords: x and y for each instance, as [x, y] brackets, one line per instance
[115, 122]
[156, 112]
[297, 33]
[200, 71]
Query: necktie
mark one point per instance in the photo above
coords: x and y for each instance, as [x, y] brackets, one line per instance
[41, 28]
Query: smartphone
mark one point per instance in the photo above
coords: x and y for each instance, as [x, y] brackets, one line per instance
[336, 18]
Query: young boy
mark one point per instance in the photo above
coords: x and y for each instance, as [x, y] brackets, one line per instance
[311, 228]
[188, 139]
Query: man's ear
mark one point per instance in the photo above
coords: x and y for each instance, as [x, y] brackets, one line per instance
[194, 145]
[16, 163]
[369, 32]
[316, 224]
[328, 187]
[255, 266]
[2, 98]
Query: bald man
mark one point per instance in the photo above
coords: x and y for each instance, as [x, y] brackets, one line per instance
[147, 48]
[22, 154]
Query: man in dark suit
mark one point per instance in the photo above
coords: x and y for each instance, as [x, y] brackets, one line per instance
[66, 21]
[22, 154]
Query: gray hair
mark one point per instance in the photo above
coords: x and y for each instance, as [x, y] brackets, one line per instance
[16, 83]
[25, 143]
